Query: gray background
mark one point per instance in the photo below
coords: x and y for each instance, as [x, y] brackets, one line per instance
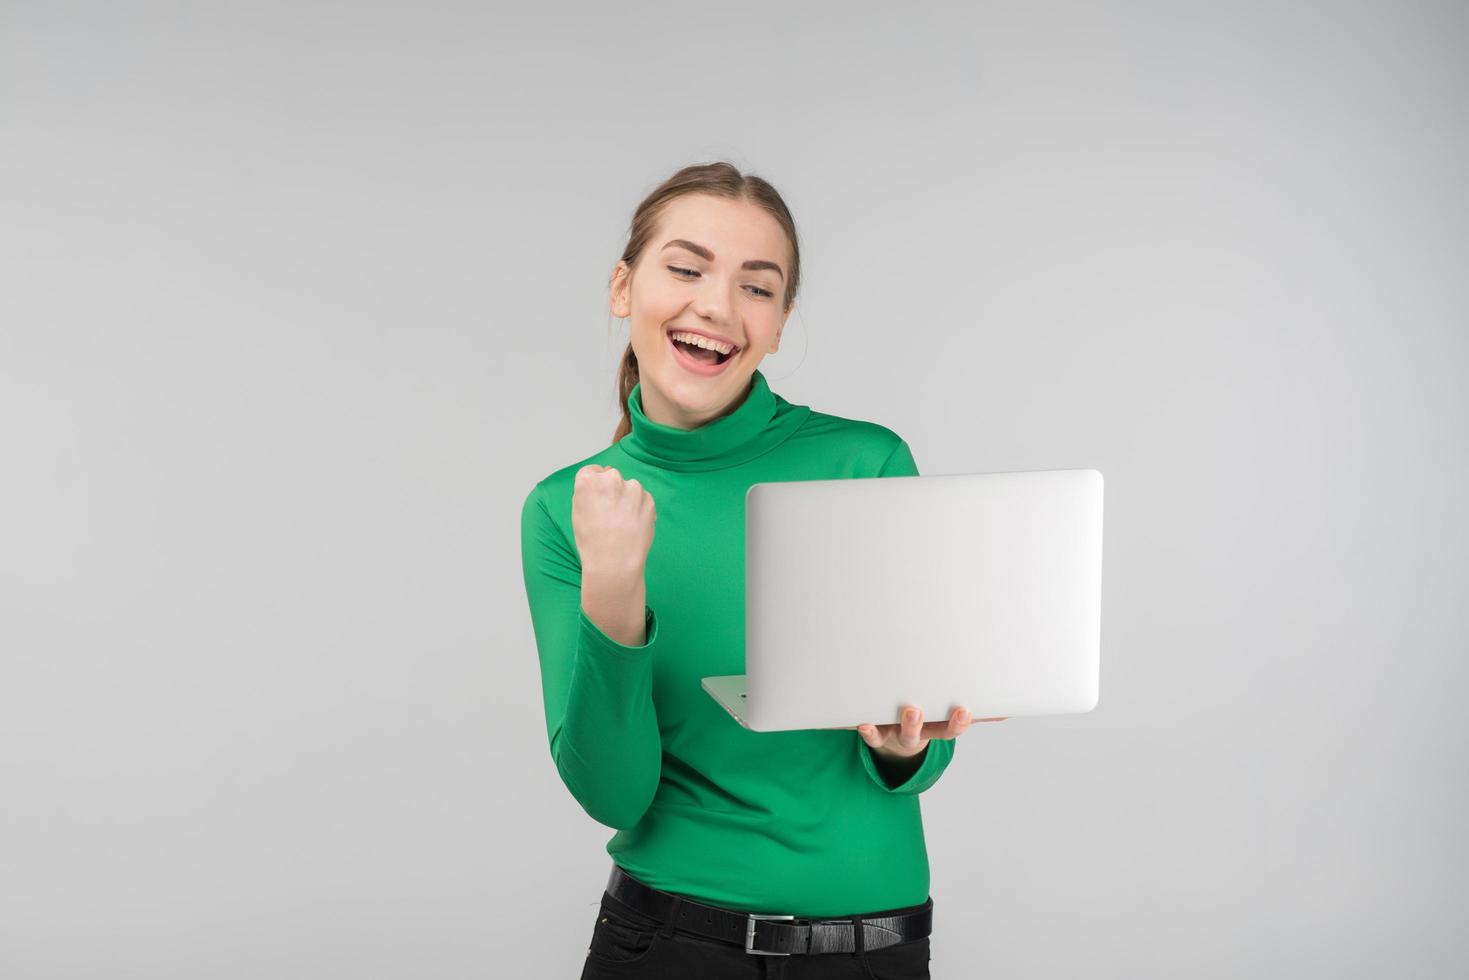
[299, 300]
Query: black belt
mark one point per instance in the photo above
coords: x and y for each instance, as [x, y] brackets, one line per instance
[772, 935]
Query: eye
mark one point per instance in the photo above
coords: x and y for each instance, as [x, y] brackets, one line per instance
[764, 293]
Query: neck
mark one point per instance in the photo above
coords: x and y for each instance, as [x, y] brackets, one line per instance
[663, 410]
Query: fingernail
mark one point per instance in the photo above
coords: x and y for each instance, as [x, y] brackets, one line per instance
[910, 715]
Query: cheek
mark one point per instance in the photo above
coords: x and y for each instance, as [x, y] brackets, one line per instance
[761, 339]
[650, 320]
[649, 343]
[658, 304]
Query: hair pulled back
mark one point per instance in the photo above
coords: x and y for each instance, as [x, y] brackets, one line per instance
[719, 179]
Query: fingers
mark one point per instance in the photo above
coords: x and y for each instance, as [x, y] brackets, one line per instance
[597, 469]
[958, 723]
[912, 732]
[912, 729]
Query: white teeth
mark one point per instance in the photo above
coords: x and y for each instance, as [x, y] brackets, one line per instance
[699, 341]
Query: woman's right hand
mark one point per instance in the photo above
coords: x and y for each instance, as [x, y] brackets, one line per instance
[612, 520]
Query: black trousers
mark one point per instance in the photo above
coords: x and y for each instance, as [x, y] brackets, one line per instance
[627, 943]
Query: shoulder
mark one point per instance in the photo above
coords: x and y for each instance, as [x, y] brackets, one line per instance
[865, 446]
[552, 493]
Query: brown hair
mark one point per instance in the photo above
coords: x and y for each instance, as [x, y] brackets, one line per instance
[721, 180]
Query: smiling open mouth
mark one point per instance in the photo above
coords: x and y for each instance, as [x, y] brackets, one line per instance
[702, 353]
[699, 360]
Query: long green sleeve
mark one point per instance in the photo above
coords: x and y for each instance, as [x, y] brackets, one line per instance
[598, 693]
[793, 822]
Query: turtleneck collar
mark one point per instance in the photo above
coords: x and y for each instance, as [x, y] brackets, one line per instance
[762, 421]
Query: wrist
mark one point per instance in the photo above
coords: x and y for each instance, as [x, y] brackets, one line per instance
[613, 576]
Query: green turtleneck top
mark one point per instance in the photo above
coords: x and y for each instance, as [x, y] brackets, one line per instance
[805, 823]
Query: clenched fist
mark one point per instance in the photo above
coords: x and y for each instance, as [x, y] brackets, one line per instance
[612, 520]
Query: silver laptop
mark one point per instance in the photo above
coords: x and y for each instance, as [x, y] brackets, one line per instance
[862, 595]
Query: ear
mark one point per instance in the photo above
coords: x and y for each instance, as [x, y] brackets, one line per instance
[780, 330]
[618, 294]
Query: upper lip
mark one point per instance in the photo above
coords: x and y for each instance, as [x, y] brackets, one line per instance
[705, 333]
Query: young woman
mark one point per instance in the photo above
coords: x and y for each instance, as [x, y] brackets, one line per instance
[737, 853]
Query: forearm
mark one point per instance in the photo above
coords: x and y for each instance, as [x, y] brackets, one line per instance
[609, 750]
[615, 600]
[910, 775]
[595, 637]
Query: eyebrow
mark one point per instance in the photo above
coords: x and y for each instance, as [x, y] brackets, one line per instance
[708, 256]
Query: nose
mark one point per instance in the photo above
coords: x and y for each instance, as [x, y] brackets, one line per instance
[712, 302]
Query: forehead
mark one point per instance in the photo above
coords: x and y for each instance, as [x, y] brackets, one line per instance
[732, 230]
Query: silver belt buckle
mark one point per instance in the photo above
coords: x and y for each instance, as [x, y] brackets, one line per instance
[750, 935]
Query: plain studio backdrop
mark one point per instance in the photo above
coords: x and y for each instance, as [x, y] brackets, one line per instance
[299, 300]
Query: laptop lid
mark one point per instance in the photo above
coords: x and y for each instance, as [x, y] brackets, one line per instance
[862, 595]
